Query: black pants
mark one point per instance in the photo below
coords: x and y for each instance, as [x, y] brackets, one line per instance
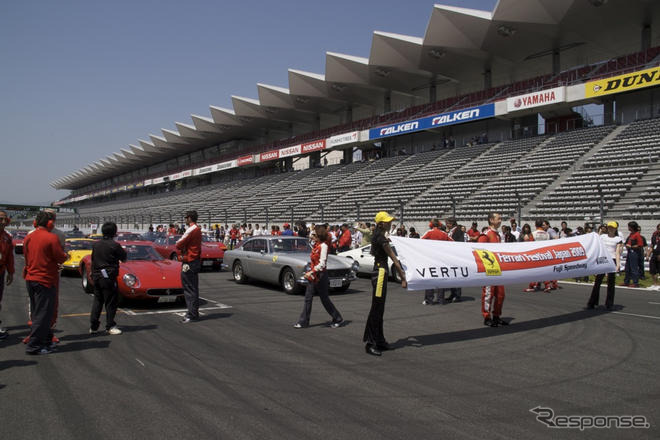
[105, 293]
[373, 332]
[321, 289]
[190, 282]
[42, 299]
[632, 266]
[595, 292]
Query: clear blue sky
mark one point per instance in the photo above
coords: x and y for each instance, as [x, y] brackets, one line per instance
[81, 79]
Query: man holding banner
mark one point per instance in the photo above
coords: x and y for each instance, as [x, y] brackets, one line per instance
[492, 297]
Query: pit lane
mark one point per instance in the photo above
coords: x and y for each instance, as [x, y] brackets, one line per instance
[243, 371]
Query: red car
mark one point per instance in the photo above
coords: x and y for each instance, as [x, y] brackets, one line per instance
[17, 240]
[213, 252]
[145, 275]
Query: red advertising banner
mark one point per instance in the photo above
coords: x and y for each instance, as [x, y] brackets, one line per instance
[269, 155]
[245, 160]
[313, 146]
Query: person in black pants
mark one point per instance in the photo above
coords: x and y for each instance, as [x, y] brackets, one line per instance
[190, 246]
[456, 234]
[318, 282]
[380, 249]
[614, 244]
[106, 255]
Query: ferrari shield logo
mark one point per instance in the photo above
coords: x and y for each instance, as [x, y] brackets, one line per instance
[487, 260]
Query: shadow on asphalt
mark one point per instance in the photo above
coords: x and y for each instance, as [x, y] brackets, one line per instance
[487, 332]
[213, 316]
[4, 365]
[82, 345]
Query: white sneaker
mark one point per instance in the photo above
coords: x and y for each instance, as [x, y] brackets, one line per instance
[114, 331]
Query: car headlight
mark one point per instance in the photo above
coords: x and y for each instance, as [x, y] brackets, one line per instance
[131, 280]
[355, 266]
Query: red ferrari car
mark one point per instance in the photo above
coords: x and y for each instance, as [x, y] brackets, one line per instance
[18, 237]
[145, 275]
[212, 251]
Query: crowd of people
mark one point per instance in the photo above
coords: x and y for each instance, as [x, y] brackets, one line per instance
[43, 251]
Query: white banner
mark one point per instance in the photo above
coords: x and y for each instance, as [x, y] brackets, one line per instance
[290, 151]
[341, 139]
[430, 263]
[536, 99]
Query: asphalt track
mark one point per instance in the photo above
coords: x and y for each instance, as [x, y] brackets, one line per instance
[243, 372]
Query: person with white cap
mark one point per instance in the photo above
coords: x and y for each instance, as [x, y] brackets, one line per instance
[381, 250]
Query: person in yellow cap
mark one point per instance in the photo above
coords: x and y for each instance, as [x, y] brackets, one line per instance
[381, 250]
[614, 245]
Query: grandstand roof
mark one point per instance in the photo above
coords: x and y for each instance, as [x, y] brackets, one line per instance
[514, 41]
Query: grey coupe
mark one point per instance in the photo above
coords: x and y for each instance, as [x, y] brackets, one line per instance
[283, 261]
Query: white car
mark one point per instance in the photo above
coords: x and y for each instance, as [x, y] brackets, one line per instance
[363, 256]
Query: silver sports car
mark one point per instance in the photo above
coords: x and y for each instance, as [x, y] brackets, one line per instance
[283, 261]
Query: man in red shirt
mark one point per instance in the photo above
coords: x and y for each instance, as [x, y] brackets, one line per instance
[473, 233]
[43, 255]
[6, 260]
[435, 233]
[492, 297]
[345, 239]
[190, 245]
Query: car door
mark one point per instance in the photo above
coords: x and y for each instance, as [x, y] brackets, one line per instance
[245, 253]
[366, 260]
[259, 259]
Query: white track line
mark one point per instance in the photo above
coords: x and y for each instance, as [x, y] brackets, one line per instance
[141, 363]
[634, 314]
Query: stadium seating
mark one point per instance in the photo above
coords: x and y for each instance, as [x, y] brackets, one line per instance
[471, 180]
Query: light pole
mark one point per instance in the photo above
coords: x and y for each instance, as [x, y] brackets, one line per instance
[322, 214]
[602, 203]
[357, 206]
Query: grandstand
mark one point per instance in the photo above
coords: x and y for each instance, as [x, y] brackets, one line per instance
[500, 135]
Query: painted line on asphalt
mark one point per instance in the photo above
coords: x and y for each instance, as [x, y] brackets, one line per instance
[635, 314]
[73, 315]
[140, 362]
[218, 306]
[651, 302]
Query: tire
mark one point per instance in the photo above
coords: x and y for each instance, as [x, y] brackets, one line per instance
[395, 275]
[86, 285]
[288, 282]
[238, 273]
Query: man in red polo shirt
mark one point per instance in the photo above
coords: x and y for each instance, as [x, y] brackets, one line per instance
[6, 260]
[190, 245]
[473, 233]
[345, 239]
[492, 297]
[43, 255]
[435, 233]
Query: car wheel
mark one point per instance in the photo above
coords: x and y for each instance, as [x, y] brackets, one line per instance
[288, 282]
[174, 257]
[237, 271]
[86, 284]
[395, 274]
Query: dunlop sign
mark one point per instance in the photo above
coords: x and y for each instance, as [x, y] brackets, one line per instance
[623, 83]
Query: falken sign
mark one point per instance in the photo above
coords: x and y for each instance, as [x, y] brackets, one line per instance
[450, 118]
[536, 99]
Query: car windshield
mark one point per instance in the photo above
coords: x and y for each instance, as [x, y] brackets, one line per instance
[78, 245]
[172, 239]
[19, 234]
[207, 239]
[141, 252]
[291, 245]
[129, 237]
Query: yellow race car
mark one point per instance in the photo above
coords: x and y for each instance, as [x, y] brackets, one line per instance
[76, 249]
